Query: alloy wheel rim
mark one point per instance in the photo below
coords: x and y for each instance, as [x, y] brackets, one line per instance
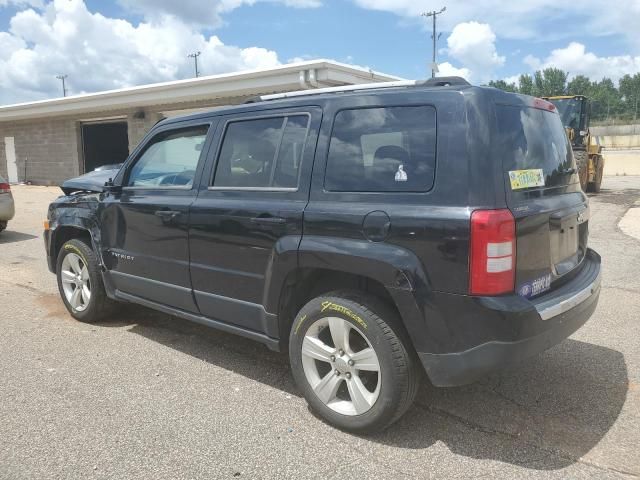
[76, 284]
[341, 366]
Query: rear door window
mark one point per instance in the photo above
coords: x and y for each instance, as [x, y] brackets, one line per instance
[262, 153]
[534, 139]
[390, 149]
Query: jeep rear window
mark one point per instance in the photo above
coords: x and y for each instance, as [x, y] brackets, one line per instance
[390, 149]
[531, 138]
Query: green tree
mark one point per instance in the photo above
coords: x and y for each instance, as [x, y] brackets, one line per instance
[606, 101]
[554, 82]
[538, 84]
[579, 85]
[629, 89]
[502, 85]
[525, 85]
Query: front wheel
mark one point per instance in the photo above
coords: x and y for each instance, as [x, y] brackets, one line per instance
[350, 359]
[596, 185]
[80, 282]
[582, 162]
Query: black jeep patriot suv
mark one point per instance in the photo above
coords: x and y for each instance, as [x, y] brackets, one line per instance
[375, 233]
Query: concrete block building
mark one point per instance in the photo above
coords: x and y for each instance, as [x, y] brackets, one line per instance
[49, 141]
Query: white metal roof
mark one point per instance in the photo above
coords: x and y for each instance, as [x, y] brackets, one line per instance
[284, 78]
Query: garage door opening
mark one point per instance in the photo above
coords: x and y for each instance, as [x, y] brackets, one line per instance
[104, 144]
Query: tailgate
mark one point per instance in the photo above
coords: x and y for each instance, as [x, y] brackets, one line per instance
[543, 193]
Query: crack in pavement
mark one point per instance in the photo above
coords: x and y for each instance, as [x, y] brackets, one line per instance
[623, 289]
[26, 287]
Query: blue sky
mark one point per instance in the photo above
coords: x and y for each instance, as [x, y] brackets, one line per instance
[482, 40]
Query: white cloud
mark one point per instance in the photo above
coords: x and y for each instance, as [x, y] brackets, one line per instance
[533, 62]
[576, 60]
[200, 12]
[512, 79]
[22, 3]
[473, 45]
[447, 70]
[98, 53]
[526, 18]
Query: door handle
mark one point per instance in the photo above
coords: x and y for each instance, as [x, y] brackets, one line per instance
[268, 220]
[167, 214]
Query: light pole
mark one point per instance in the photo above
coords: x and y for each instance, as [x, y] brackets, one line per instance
[433, 14]
[64, 88]
[195, 56]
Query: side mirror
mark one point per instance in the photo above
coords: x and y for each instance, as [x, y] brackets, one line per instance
[109, 187]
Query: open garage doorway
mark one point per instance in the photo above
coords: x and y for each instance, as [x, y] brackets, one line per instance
[104, 143]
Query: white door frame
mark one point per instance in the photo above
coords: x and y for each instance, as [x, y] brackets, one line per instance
[12, 165]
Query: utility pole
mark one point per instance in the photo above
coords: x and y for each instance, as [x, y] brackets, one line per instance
[433, 14]
[64, 88]
[195, 56]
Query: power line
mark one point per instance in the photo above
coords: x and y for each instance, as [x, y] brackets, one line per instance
[64, 88]
[433, 14]
[195, 56]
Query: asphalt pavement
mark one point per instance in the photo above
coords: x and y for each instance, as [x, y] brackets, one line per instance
[148, 396]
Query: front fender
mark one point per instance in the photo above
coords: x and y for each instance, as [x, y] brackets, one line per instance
[72, 213]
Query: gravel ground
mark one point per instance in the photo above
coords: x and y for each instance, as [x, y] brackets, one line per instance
[147, 396]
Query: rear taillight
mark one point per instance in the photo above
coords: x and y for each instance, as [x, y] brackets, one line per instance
[493, 252]
[5, 188]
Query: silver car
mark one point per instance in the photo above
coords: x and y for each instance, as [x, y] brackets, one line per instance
[7, 208]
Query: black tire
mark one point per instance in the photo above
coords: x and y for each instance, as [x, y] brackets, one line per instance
[399, 374]
[3, 225]
[582, 162]
[99, 305]
[596, 185]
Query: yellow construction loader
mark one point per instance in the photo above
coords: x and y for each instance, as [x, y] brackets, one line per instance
[575, 112]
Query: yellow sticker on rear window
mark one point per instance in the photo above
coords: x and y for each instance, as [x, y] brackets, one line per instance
[526, 178]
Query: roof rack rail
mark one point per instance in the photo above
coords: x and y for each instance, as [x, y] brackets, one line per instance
[433, 82]
[445, 82]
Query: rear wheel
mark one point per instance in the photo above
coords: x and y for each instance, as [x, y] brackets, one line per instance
[596, 185]
[582, 162]
[3, 225]
[80, 282]
[349, 358]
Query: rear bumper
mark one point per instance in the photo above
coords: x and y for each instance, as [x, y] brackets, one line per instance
[545, 322]
[7, 209]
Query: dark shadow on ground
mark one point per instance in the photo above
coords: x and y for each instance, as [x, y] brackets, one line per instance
[562, 402]
[625, 196]
[9, 236]
[543, 415]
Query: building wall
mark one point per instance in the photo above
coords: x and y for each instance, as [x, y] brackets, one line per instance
[51, 149]
[138, 127]
[46, 150]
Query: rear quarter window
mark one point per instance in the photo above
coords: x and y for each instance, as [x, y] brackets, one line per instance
[532, 139]
[387, 149]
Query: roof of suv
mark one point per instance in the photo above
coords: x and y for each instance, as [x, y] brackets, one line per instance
[296, 97]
